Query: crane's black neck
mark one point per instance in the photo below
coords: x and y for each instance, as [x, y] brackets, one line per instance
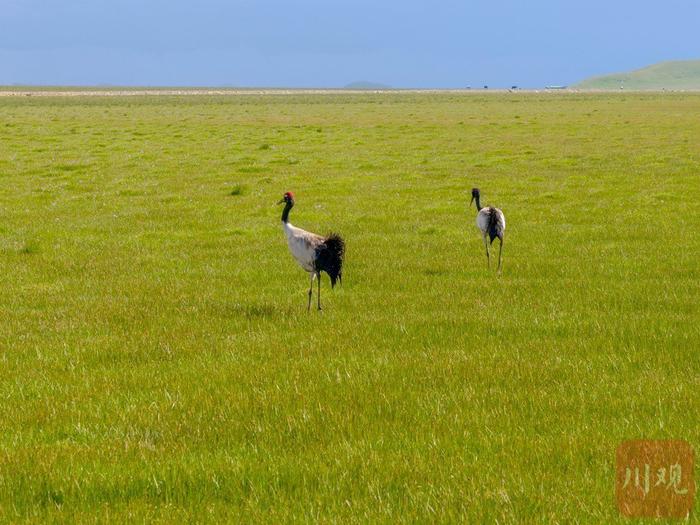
[478, 203]
[285, 213]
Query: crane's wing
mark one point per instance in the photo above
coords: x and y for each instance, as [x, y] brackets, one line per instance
[497, 224]
[329, 257]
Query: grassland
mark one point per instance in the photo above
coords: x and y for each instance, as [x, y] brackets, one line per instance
[158, 363]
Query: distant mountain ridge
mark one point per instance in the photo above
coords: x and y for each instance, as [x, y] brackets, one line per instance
[363, 84]
[676, 74]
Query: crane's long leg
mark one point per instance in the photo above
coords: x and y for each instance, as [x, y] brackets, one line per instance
[488, 257]
[319, 290]
[500, 250]
[311, 291]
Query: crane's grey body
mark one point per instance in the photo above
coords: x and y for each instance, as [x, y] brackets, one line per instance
[491, 222]
[302, 245]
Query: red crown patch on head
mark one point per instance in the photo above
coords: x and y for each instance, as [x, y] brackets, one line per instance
[289, 194]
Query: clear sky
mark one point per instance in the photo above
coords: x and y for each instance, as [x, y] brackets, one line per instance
[328, 43]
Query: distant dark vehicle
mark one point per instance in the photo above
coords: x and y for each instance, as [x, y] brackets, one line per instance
[486, 87]
[513, 87]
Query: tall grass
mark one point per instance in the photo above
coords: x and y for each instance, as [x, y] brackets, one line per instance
[158, 362]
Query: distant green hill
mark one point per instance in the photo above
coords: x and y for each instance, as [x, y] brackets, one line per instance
[677, 74]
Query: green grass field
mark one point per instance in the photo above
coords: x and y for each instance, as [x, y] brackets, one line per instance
[158, 362]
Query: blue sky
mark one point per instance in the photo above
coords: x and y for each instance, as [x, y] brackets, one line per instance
[330, 43]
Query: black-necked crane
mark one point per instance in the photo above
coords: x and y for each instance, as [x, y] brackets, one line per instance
[314, 253]
[491, 222]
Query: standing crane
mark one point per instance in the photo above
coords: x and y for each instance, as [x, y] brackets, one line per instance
[314, 253]
[491, 222]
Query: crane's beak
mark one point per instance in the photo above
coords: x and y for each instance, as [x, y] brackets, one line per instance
[280, 201]
[470, 202]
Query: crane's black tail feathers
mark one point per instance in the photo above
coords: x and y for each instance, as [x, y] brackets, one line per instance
[329, 257]
[495, 228]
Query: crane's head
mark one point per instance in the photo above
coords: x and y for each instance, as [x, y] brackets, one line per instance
[288, 197]
[475, 195]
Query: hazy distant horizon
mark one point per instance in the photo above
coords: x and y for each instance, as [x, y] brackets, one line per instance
[271, 44]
